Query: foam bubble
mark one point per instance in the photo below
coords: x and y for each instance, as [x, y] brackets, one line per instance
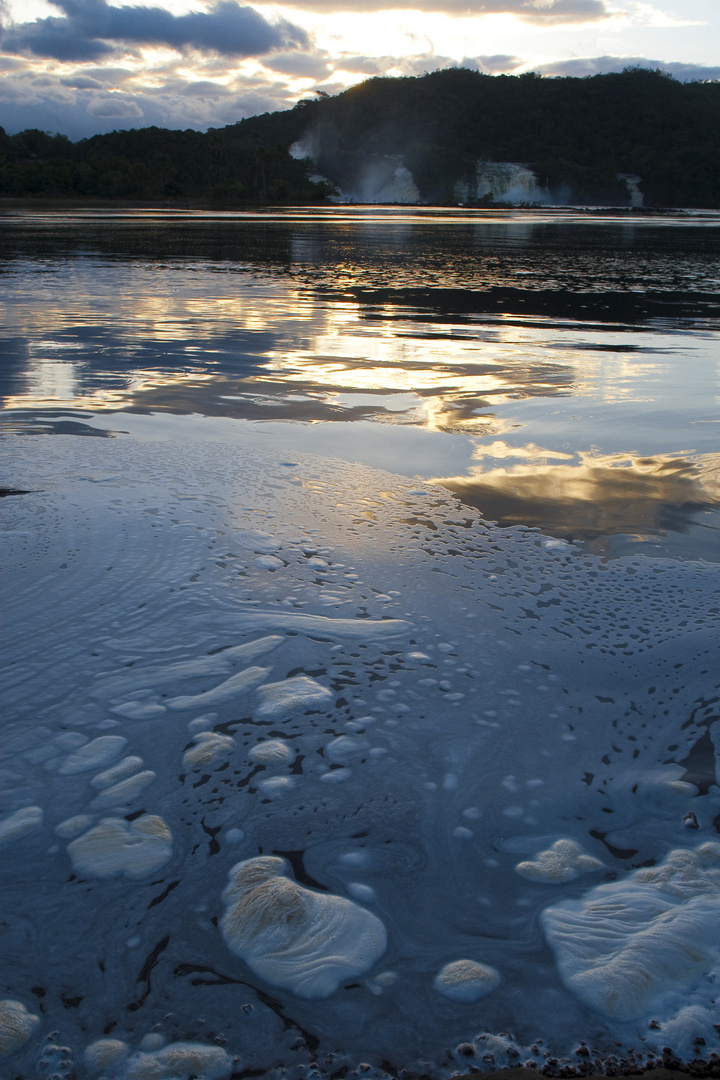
[272, 752]
[627, 945]
[268, 562]
[123, 793]
[283, 699]
[20, 824]
[127, 767]
[233, 687]
[139, 710]
[466, 980]
[276, 786]
[73, 826]
[117, 847]
[16, 1026]
[292, 937]
[209, 747]
[365, 630]
[179, 1061]
[93, 755]
[104, 1053]
[564, 861]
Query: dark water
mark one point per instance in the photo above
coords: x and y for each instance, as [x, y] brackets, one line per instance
[553, 369]
[499, 745]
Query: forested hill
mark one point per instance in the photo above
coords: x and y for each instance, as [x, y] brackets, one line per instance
[579, 137]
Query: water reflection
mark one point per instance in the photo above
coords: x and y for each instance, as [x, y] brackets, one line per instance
[589, 347]
[599, 496]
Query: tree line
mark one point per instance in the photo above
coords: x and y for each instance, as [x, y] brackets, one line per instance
[576, 134]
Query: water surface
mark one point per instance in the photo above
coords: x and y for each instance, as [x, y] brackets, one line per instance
[557, 369]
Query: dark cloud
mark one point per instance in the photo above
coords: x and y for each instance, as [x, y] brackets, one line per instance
[537, 11]
[93, 28]
[178, 103]
[82, 82]
[114, 107]
[299, 64]
[603, 65]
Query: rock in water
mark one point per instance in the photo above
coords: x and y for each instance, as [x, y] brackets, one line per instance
[292, 937]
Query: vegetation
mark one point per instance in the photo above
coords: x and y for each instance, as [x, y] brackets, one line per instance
[576, 134]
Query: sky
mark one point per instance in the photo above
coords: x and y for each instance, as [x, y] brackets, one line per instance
[80, 67]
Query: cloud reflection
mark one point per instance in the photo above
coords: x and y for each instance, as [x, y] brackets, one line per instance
[598, 496]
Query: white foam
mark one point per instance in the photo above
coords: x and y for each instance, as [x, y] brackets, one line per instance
[272, 752]
[292, 937]
[366, 630]
[127, 767]
[73, 826]
[276, 786]
[280, 700]
[139, 710]
[629, 944]
[179, 1061]
[103, 1054]
[269, 562]
[564, 861]
[234, 687]
[20, 824]
[346, 746]
[116, 847]
[466, 980]
[93, 755]
[124, 792]
[209, 747]
[221, 662]
[16, 1026]
[256, 540]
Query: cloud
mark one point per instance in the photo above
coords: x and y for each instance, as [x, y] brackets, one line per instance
[299, 65]
[177, 103]
[603, 65]
[93, 28]
[537, 11]
[82, 82]
[115, 107]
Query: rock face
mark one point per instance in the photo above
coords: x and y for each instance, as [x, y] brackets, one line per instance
[628, 945]
[292, 937]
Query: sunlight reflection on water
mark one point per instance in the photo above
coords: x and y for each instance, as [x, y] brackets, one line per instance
[512, 354]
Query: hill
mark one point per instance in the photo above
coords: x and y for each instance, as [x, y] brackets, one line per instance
[439, 136]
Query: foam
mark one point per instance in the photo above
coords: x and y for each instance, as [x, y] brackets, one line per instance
[209, 747]
[466, 980]
[19, 824]
[104, 1053]
[294, 938]
[280, 700]
[115, 848]
[588, 714]
[365, 630]
[564, 861]
[93, 755]
[124, 792]
[234, 687]
[629, 945]
[17, 1024]
[179, 1061]
[272, 752]
[219, 663]
[125, 768]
